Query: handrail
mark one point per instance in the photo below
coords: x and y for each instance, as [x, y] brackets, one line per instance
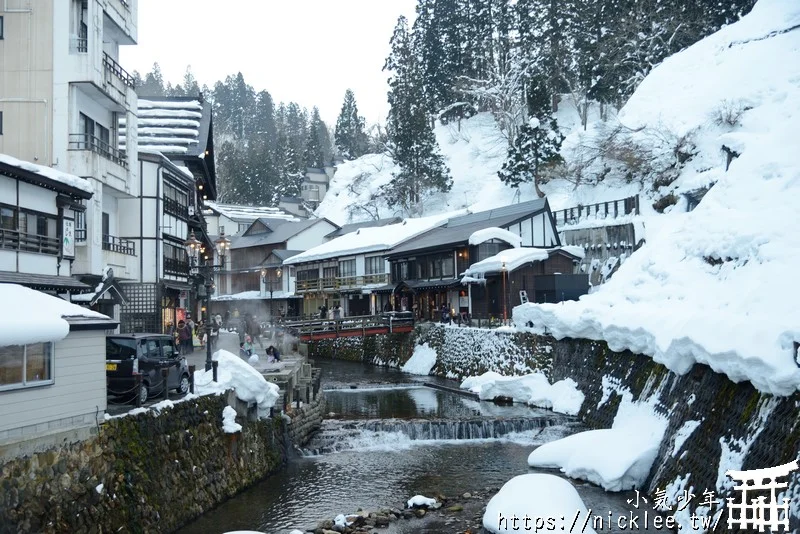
[118, 244]
[115, 68]
[339, 282]
[173, 207]
[354, 323]
[610, 209]
[82, 141]
[14, 239]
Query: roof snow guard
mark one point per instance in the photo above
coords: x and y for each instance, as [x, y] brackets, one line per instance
[171, 126]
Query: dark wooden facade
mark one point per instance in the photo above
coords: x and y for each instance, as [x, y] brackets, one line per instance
[487, 298]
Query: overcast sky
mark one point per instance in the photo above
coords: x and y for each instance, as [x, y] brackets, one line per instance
[307, 51]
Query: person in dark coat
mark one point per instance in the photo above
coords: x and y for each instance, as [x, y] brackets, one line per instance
[272, 352]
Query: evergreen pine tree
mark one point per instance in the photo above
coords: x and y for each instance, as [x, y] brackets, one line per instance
[412, 142]
[349, 137]
[537, 145]
[153, 84]
[318, 143]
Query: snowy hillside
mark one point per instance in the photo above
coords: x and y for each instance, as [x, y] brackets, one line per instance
[473, 153]
[717, 285]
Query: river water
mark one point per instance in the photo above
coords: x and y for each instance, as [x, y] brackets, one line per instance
[388, 438]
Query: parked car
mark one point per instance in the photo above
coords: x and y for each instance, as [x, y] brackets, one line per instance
[128, 355]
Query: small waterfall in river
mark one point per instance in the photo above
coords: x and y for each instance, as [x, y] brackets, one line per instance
[342, 435]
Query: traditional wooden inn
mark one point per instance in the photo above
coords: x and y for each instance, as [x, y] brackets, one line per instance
[176, 176]
[38, 210]
[425, 271]
[233, 219]
[518, 275]
[256, 278]
[350, 270]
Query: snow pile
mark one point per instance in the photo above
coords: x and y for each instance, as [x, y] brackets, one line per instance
[30, 316]
[541, 498]
[618, 458]
[372, 239]
[713, 285]
[474, 383]
[235, 373]
[482, 236]
[420, 501]
[229, 424]
[48, 172]
[509, 260]
[422, 360]
[534, 389]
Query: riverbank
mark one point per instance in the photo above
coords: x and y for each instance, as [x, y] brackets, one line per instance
[714, 425]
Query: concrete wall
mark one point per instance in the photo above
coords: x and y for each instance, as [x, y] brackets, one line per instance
[77, 398]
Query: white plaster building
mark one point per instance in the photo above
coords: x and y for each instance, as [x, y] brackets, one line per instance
[62, 92]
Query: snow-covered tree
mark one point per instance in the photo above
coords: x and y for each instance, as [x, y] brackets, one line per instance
[411, 139]
[318, 142]
[349, 137]
[537, 146]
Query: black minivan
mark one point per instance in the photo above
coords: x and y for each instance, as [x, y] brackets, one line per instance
[145, 354]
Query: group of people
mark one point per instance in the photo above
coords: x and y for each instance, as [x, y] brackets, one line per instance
[334, 313]
[250, 332]
[187, 330]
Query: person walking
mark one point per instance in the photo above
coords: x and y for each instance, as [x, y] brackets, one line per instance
[184, 337]
[191, 326]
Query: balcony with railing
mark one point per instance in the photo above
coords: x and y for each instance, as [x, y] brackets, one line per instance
[176, 267]
[342, 282]
[111, 67]
[173, 207]
[24, 242]
[80, 235]
[98, 146]
[119, 245]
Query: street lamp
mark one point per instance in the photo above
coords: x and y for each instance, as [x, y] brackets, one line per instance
[205, 273]
[269, 279]
[504, 273]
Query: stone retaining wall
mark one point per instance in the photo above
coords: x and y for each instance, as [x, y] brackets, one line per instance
[151, 472]
[306, 420]
[382, 349]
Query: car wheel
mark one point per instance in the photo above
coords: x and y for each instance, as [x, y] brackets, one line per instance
[143, 393]
[183, 388]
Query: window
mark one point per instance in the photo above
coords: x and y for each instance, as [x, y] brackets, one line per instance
[175, 201]
[80, 224]
[8, 218]
[106, 227]
[243, 227]
[347, 268]
[1, 113]
[1, 36]
[307, 274]
[487, 250]
[374, 265]
[330, 272]
[26, 365]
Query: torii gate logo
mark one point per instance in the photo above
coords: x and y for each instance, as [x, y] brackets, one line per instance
[759, 512]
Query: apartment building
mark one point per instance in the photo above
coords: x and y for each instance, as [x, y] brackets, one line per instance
[62, 95]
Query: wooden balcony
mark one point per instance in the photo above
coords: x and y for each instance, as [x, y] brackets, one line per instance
[341, 282]
[15, 240]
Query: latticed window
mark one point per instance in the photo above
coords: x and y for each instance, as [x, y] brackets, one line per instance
[142, 312]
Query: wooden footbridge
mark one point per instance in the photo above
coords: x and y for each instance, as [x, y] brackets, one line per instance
[364, 325]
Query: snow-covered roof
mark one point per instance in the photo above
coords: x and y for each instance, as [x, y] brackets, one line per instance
[48, 172]
[716, 285]
[514, 258]
[171, 126]
[242, 213]
[36, 317]
[481, 236]
[373, 239]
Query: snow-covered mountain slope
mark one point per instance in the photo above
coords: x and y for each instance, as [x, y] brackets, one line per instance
[474, 152]
[717, 285]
